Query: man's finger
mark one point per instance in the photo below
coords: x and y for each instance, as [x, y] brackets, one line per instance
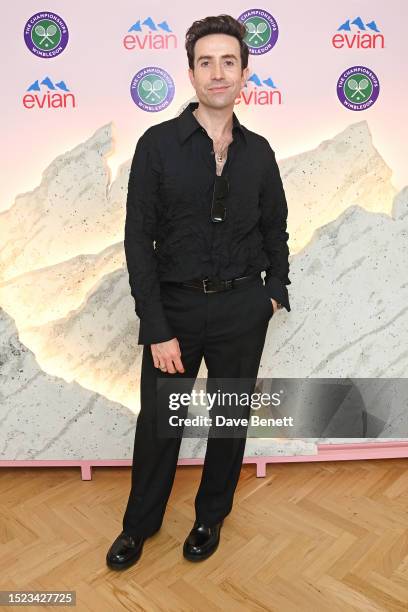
[178, 364]
[169, 365]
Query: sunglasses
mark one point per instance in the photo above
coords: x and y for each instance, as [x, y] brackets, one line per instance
[221, 189]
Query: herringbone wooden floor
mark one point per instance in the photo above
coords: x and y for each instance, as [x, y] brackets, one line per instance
[310, 536]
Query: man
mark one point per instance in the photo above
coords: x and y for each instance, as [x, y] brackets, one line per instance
[207, 191]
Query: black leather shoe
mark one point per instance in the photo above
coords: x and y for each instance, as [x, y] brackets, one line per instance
[202, 541]
[125, 551]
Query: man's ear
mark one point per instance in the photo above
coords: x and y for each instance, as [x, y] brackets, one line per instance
[245, 75]
[191, 76]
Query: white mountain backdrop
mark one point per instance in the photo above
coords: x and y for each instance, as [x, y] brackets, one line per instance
[64, 283]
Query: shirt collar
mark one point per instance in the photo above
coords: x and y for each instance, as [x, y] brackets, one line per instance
[187, 123]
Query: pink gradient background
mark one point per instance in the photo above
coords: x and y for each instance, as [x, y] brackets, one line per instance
[99, 70]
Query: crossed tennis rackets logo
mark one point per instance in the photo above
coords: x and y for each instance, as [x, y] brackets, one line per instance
[262, 30]
[46, 34]
[358, 88]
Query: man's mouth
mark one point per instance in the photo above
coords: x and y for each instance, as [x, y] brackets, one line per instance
[221, 88]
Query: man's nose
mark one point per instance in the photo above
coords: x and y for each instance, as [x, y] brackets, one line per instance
[217, 71]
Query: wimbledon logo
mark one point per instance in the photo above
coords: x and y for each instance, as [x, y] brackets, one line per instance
[46, 34]
[358, 88]
[262, 30]
[152, 89]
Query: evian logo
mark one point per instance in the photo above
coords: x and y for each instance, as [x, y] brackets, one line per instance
[148, 34]
[259, 92]
[46, 94]
[356, 34]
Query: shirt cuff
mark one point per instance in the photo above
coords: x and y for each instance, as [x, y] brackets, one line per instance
[154, 327]
[277, 290]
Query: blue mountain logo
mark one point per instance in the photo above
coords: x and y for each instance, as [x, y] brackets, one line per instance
[149, 23]
[260, 92]
[358, 22]
[254, 78]
[47, 82]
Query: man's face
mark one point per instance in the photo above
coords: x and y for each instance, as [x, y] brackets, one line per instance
[217, 76]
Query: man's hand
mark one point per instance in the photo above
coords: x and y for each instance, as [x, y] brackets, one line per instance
[166, 356]
[275, 305]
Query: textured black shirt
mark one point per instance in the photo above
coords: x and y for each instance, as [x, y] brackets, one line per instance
[169, 234]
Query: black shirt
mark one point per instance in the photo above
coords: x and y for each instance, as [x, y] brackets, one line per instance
[169, 234]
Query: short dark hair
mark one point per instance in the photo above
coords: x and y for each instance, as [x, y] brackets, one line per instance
[221, 24]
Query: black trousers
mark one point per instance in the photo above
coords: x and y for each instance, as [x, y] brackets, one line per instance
[227, 328]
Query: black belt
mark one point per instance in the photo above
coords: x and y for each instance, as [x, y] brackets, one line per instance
[213, 285]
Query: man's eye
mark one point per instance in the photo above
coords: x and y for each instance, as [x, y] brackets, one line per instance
[231, 62]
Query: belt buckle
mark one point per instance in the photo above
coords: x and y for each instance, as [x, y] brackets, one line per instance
[219, 283]
[206, 280]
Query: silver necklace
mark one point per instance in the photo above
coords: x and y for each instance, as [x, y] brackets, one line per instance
[220, 155]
